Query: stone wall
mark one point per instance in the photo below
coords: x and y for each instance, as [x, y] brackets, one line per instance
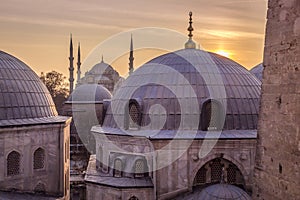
[101, 192]
[53, 177]
[178, 177]
[277, 172]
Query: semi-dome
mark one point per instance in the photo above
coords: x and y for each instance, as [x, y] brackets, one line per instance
[219, 192]
[181, 84]
[258, 71]
[22, 93]
[89, 93]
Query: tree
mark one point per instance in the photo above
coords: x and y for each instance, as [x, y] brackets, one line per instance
[57, 85]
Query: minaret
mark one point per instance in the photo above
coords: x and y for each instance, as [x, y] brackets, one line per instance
[78, 64]
[131, 58]
[71, 68]
[190, 44]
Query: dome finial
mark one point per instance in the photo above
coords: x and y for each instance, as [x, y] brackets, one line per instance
[102, 58]
[190, 44]
[190, 28]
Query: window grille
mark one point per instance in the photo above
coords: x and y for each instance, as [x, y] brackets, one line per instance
[231, 174]
[39, 159]
[134, 116]
[216, 170]
[13, 163]
[139, 168]
[200, 178]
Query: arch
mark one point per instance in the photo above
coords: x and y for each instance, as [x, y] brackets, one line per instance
[118, 167]
[39, 158]
[133, 198]
[212, 116]
[13, 163]
[133, 115]
[224, 156]
[139, 168]
[217, 170]
[40, 188]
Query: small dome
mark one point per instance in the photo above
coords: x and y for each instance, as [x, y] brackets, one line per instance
[167, 86]
[22, 93]
[258, 71]
[89, 93]
[222, 192]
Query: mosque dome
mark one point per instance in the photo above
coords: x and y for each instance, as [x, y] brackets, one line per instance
[89, 93]
[101, 68]
[222, 192]
[22, 93]
[258, 71]
[183, 83]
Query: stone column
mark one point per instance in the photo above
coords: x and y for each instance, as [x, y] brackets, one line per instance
[277, 170]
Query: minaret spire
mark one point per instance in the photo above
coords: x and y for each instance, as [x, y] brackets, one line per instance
[71, 68]
[131, 58]
[190, 44]
[78, 64]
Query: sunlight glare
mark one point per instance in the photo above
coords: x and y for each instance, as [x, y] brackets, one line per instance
[223, 53]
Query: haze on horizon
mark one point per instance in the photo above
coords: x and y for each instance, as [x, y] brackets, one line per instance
[37, 32]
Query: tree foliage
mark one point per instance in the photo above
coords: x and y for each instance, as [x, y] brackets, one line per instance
[57, 85]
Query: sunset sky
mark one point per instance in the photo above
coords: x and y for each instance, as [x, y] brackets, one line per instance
[38, 32]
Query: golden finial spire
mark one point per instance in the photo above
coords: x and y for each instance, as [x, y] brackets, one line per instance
[190, 44]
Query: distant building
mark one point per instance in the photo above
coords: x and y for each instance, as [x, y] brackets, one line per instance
[197, 97]
[102, 74]
[34, 140]
[258, 71]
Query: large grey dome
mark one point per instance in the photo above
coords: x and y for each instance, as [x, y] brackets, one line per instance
[22, 93]
[168, 86]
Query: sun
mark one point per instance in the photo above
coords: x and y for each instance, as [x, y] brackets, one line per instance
[223, 53]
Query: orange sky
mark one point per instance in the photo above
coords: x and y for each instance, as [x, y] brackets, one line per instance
[37, 32]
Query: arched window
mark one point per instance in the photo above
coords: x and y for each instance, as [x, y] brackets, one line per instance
[133, 198]
[139, 168]
[216, 170]
[40, 188]
[118, 168]
[13, 163]
[134, 115]
[39, 159]
[219, 170]
[211, 116]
